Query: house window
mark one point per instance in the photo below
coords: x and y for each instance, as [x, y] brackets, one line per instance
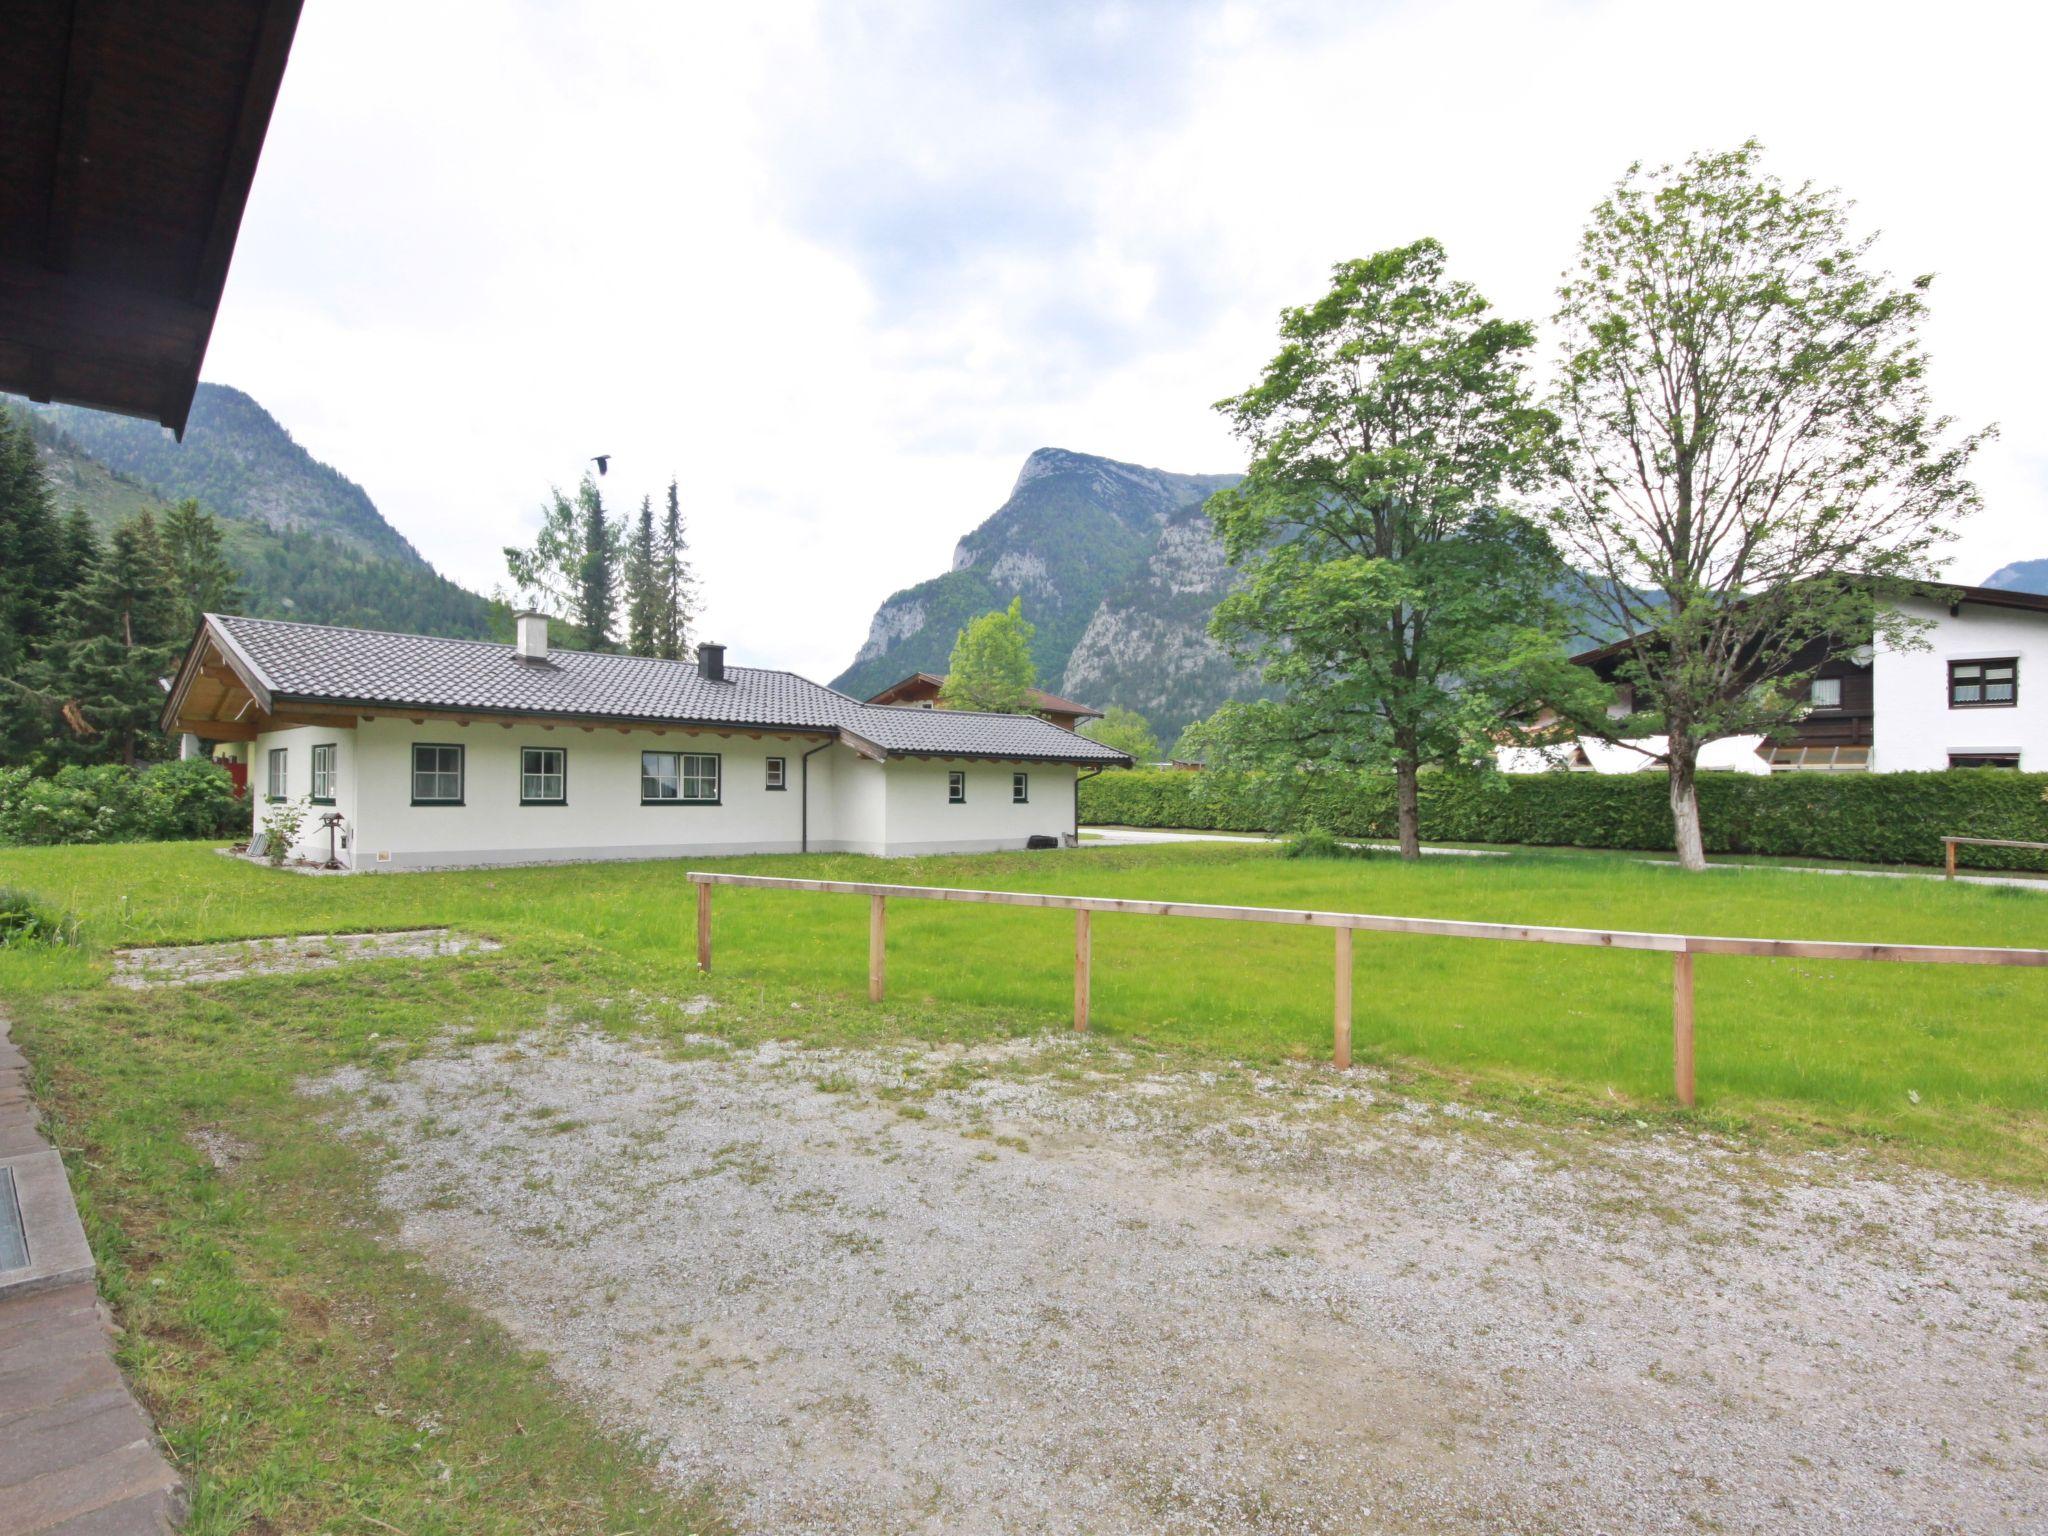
[679, 778]
[323, 774]
[1020, 788]
[956, 787]
[436, 774]
[543, 776]
[274, 788]
[1984, 684]
[1984, 760]
[1826, 693]
[778, 773]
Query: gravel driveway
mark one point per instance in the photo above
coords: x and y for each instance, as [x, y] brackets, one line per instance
[1038, 1288]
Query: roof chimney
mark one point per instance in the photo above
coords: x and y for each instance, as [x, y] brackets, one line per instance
[711, 661]
[532, 628]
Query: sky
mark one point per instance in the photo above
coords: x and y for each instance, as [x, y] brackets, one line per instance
[840, 267]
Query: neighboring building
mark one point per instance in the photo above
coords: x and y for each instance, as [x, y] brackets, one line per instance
[1962, 701]
[921, 689]
[438, 753]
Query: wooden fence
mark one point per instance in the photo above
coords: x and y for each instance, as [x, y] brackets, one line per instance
[1682, 947]
[1948, 848]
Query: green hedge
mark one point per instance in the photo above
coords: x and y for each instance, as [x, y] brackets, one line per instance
[112, 804]
[1880, 818]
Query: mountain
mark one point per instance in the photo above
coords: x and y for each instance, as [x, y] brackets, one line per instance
[2020, 576]
[308, 540]
[1119, 569]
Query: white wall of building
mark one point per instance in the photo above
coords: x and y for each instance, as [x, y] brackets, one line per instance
[856, 805]
[1914, 726]
[298, 747]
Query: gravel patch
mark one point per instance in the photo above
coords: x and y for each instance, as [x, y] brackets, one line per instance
[178, 965]
[1033, 1288]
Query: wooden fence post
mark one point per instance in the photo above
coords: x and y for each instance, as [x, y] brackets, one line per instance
[1948, 856]
[878, 930]
[1681, 1024]
[1084, 956]
[704, 928]
[1341, 1023]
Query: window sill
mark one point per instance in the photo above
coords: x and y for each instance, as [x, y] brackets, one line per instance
[776, 789]
[316, 800]
[681, 802]
[1989, 704]
[535, 803]
[437, 802]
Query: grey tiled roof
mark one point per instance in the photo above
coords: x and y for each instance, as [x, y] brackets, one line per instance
[317, 662]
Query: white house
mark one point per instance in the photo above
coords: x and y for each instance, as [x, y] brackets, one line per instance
[1972, 694]
[441, 753]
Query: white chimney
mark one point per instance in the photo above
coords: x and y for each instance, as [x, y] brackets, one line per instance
[533, 635]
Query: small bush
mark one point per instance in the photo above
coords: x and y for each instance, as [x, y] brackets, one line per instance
[1878, 818]
[24, 920]
[1314, 842]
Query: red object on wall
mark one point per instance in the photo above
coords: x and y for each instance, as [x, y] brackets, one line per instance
[239, 772]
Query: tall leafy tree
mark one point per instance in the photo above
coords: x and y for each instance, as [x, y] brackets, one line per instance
[643, 590]
[991, 666]
[202, 579]
[675, 583]
[118, 636]
[1125, 730]
[1401, 608]
[1754, 466]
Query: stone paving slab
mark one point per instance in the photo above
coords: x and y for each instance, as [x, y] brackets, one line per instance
[174, 965]
[77, 1456]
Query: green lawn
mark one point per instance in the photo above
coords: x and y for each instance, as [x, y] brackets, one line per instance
[292, 1351]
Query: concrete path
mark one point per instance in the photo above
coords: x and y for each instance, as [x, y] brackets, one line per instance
[77, 1456]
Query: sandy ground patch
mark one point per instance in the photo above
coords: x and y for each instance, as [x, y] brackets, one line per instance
[1031, 1289]
[172, 965]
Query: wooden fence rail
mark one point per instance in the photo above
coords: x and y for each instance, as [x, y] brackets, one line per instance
[1682, 947]
[1948, 848]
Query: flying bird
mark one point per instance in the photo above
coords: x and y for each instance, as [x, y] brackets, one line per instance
[602, 461]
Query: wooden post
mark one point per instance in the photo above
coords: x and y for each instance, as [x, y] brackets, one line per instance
[1084, 955]
[1948, 856]
[1681, 1024]
[878, 930]
[1341, 1023]
[704, 928]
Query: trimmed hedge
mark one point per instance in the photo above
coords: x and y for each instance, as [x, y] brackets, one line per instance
[1877, 818]
[111, 804]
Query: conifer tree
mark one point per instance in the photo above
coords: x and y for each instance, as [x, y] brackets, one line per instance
[643, 595]
[675, 582]
[597, 577]
[118, 637]
[201, 579]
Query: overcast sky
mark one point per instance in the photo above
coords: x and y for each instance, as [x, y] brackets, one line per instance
[840, 267]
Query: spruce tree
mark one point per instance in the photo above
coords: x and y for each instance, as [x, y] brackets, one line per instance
[675, 584]
[643, 597]
[118, 637]
[597, 577]
[201, 579]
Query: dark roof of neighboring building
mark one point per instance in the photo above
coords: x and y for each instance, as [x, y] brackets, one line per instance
[318, 663]
[129, 136]
[1049, 703]
[1953, 593]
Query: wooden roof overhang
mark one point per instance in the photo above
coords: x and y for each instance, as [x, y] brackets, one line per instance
[129, 136]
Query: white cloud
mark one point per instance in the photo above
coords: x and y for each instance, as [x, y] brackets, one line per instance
[840, 269]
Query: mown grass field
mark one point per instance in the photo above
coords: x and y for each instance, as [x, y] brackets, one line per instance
[314, 1377]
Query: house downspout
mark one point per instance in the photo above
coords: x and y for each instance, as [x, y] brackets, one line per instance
[1077, 802]
[803, 794]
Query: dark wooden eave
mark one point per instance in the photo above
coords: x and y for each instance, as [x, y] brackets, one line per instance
[129, 136]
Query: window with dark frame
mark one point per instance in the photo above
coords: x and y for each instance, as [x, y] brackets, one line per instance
[679, 778]
[1825, 693]
[956, 787]
[323, 774]
[1993, 683]
[436, 774]
[778, 773]
[1984, 760]
[274, 782]
[1020, 788]
[543, 776]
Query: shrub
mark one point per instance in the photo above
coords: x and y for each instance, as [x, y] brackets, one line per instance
[111, 804]
[281, 828]
[1879, 818]
[1314, 842]
[23, 920]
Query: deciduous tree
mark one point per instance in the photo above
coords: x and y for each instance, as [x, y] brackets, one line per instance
[1753, 466]
[991, 665]
[1386, 589]
[1125, 730]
